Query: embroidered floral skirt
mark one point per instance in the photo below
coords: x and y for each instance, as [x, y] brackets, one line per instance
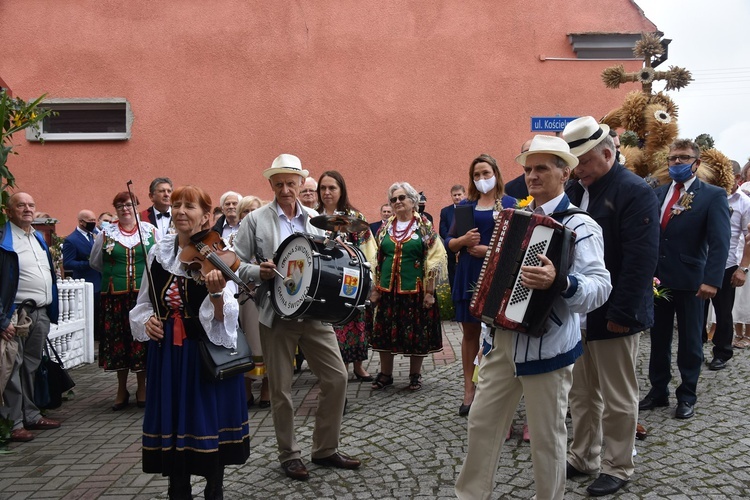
[402, 326]
[352, 339]
[117, 349]
[191, 424]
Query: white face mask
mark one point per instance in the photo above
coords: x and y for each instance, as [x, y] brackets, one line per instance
[484, 186]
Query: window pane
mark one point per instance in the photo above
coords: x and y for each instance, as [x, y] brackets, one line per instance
[85, 121]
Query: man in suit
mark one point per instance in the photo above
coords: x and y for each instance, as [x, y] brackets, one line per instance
[517, 187]
[260, 234]
[604, 378]
[308, 195]
[735, 273]
[160, 212]
[693, 248]
[229, 223]
[385, 213]
[27, 281]
[76, 251]
[458, 193]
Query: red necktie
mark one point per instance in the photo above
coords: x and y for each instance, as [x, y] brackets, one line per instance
[668, 211]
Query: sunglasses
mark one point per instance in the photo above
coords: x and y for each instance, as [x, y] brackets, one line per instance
[400, 197]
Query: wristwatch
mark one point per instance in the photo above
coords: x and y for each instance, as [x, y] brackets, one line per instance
[745, 269]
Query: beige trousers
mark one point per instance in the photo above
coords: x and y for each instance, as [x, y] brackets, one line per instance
[604, 406]
[495, 402]
[318, 342]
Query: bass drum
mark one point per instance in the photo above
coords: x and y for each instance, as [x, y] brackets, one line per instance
[323, 279]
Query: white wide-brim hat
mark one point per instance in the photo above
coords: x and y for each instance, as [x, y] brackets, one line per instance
[285, 164]
[583, 133]
[547, 144]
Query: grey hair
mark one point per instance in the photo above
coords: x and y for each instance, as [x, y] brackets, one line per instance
[228, 194]
[159, 180]
[736, 169]
[606, 143]
[560, 162]
[411, 193]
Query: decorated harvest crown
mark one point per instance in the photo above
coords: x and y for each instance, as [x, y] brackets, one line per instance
[652, 117]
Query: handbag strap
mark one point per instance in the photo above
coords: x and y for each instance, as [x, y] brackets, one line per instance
[57, 356]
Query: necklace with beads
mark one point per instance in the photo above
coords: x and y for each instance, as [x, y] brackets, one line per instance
[403, 234]
[129, 232]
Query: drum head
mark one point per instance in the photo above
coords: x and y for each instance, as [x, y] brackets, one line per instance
[295, 263]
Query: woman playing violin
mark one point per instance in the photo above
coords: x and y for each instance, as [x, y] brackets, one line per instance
[192, 425]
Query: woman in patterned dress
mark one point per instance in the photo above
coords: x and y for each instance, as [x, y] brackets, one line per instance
[410, 259]
[118, 255]
[487, 196]
[352, 336]
[194, 425]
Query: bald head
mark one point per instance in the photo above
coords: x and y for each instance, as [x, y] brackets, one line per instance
[526, 146]
[20, 210]
[87, 220]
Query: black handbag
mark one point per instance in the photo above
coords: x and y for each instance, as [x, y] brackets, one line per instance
[52, 380]
[220, 362]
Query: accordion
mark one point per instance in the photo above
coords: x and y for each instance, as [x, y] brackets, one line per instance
[499, 298]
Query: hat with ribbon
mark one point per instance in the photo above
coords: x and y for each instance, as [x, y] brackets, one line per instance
[548, 144]
[583, 133]
[285, 164]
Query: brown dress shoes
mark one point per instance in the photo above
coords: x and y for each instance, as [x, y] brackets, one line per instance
[338, 460]
[295, 469]
[21, 435]
[43, 423]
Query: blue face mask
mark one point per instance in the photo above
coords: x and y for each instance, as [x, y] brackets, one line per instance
[681, 171]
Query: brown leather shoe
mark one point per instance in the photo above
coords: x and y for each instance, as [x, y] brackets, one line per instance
[21, 435]
[43, 423]
[338, 460]
[295, 469]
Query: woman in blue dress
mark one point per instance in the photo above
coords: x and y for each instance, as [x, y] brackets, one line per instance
[192, 424]
[487, 196]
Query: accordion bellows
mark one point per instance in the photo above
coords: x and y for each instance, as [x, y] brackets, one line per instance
[518, 238]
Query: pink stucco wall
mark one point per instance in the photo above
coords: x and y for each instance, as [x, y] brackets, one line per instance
[382, 91]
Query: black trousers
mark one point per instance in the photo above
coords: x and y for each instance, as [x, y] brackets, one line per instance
[690, 327]
[723, 303]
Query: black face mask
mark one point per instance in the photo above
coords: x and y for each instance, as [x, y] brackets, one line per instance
[90, 226]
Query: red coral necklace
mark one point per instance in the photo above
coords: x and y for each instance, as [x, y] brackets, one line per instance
[405, 233]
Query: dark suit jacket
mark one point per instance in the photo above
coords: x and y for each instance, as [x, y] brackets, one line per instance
[694, 246]
[76, 251]
[375, 227]
[149, 215]
[517, 188]
[627, 210]
[446, 219]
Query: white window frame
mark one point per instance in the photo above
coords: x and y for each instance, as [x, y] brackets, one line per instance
[37, 132]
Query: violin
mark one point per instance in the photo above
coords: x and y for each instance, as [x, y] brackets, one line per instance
[207, 252]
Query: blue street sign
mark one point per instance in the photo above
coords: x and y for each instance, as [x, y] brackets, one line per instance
[550, 123]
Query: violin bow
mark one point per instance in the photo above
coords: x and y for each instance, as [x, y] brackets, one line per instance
[146, 268]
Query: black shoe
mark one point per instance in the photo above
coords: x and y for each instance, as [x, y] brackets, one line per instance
[605, 485]
[717, 364]
[684, 410]
[649, 403]
[463, 410]
[571, 472]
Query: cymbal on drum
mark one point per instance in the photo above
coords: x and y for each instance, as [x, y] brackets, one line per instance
[340, 223]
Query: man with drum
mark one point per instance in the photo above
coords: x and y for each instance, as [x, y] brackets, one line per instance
[260, 234]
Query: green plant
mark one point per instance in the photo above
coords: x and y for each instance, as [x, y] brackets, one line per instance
[15, 115]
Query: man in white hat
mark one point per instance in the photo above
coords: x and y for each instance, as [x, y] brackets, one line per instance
[261, 232]
[540, 368]
[604, 378]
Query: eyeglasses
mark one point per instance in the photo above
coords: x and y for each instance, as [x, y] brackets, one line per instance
[400, 197]
[681, 158]
[306, 191]
[124, 206]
